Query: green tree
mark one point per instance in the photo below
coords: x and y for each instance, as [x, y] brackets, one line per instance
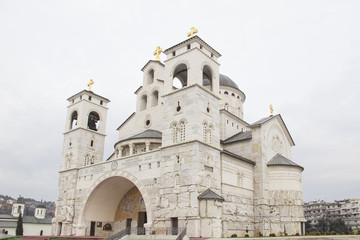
[308, 227]
[19, 226]
[338, 226]
[322, 225]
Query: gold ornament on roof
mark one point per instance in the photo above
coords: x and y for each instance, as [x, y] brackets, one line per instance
[271, 110]
[157, 54]
[192, 32]
[90, 83]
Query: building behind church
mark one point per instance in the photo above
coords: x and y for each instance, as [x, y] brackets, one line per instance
[347, 210]
[36, 225]
[186, 158]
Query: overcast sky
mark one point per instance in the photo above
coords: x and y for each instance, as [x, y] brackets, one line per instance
[303, 57]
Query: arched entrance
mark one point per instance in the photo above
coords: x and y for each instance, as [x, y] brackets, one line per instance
[115, 204]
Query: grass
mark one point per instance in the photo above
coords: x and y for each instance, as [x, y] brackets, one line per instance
[10, 238]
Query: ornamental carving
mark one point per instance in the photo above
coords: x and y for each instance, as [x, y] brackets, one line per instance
[277, 145]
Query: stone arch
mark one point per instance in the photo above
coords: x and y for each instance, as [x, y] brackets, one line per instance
[94, 118]
[143, 102]
[154, 97]
[207, 77]
[150, 76]
[74, 118]
[180, 75]
[98, 206]
[276, 130]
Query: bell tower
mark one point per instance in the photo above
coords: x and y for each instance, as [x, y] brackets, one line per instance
[193, 103]
[84, 135]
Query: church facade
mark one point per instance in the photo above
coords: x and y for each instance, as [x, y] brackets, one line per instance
[185, 158]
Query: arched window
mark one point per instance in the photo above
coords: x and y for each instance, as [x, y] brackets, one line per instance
[73, 121]
[155, 98]
[182, 131]
[150, 77]
[68, 163]
[87, 160]
[107, 227]
[180, 76]
[210, 134]
[143, 103]
[174, 133]
[177, 180]
[205, 132]
[226, 93]
[208, 181]
[240, 178]
[207, 78]
[93, 121]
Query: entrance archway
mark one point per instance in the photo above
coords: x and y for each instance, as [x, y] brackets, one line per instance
[117, 203]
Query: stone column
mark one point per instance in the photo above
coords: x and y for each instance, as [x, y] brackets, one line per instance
[131, 146]
[148, 227]
[147, 144]
[120, 151]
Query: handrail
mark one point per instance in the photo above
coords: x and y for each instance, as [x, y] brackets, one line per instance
[120, 234]
[181, 235]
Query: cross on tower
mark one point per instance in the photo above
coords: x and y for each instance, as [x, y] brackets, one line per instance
[271, 110]
[157, 53]
[192, 32]
[90, 83]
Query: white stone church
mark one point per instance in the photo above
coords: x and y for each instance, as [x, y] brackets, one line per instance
[186, 158]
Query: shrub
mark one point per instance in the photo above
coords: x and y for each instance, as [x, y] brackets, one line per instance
[272, 235]
[297, 234]
[234, 235]
[246, 235]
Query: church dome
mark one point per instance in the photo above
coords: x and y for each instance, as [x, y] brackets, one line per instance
[224, 81]
[227, 82]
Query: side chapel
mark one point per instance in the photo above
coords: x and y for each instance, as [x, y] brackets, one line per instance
[186, 158]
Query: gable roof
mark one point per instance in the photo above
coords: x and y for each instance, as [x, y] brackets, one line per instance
[237, 157]
[133, 114]
[8, 224]
[238, 137]
[263, 120]
[32, 219]
[280, 160]
[145, 134]
[267, 119]
[152, 61]
[210, 195]
[90, 93]
[193, 39]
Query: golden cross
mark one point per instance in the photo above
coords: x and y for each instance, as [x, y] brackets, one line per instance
[90, 83]
[192, 32]
[157, 53]
[271, 110]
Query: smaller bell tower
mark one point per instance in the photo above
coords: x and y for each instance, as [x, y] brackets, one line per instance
[84, 135]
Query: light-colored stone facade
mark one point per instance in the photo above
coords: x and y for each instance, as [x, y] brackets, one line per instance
[179, 143]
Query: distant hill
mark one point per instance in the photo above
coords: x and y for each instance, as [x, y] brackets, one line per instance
[30, 205]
